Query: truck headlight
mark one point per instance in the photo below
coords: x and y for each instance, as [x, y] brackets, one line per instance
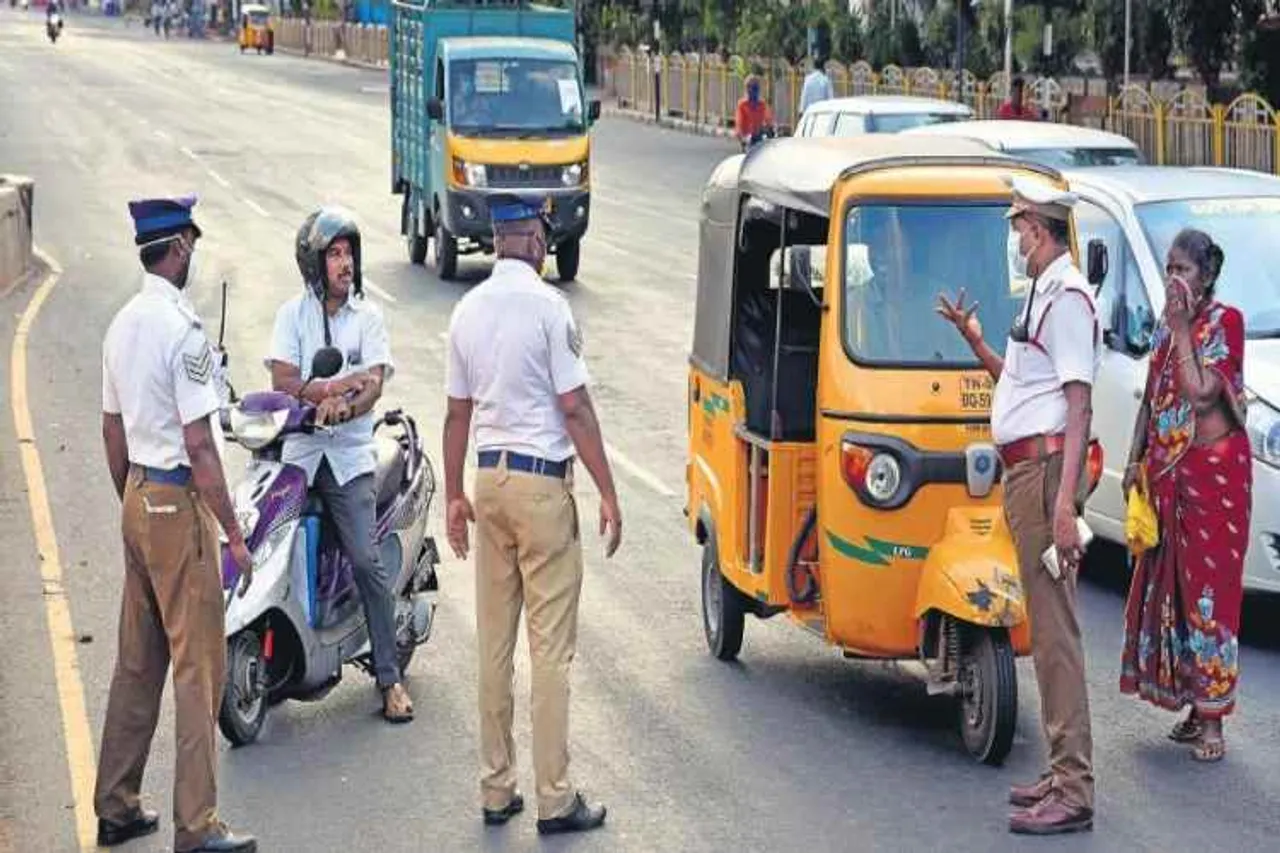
[470, 174]
[573, 175]
[1264, 431]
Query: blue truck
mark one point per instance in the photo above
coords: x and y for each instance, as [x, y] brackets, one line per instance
[487, 97]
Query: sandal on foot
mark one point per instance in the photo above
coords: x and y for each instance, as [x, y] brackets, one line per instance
[1209, 751]
[1188, 731]
[396, 706]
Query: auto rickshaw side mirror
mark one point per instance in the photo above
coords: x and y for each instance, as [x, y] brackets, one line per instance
[593, 111]
[435, 109]
[1097, 262]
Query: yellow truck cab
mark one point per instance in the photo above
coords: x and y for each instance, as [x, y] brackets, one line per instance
[488, 99]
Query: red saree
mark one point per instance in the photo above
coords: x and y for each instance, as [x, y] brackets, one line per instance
[1183, 611]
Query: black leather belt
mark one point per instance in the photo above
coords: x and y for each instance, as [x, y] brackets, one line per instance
[526, 464]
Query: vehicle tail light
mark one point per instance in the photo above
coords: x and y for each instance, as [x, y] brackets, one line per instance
[269, 644]
[1093, 464]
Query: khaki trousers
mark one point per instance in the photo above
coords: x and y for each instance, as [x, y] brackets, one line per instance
[171, 611]
[1030, 491]
[528, 555]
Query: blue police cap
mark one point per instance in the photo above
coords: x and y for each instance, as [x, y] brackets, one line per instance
[154, 218]
[511, 208]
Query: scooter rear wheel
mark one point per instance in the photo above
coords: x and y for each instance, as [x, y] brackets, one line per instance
[244, 705]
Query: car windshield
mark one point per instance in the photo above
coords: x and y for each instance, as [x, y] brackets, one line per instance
[515, 97]
[1244, 228]
[899, 258]
[893, 123]
[1070, 158]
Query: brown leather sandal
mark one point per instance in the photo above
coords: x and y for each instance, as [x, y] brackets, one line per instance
[396, 705]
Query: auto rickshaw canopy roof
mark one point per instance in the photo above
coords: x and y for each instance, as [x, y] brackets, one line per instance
[254, 9]
[800, 176]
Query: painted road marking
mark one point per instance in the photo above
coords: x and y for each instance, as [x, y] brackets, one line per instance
[160, 134]
[62, 637]
[221, 180]
[187, 151]
[382, 294]
[255, 207]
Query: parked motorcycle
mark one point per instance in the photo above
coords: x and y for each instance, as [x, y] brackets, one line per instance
[301, 619]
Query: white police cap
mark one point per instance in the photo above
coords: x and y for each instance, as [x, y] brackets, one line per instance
[1030, 196]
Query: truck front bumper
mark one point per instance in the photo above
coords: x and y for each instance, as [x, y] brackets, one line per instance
[466, 212]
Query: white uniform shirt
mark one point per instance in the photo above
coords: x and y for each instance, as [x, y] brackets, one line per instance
[1066, 347]
[513, 347]
[359, 333]
[817, 87]
[159, 373]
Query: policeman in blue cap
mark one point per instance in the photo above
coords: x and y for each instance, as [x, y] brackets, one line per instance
[516, 367]
[158, 397]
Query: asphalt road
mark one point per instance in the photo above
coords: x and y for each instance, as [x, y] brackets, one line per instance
[793, 748]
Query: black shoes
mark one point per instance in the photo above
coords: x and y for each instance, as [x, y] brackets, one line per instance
[110, 834]
[497, 817]
[583, 817]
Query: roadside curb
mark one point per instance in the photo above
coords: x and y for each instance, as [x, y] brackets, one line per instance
[337, 60]
[680, 124]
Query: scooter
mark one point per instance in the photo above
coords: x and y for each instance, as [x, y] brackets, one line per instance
[300, 618]
[756, 139]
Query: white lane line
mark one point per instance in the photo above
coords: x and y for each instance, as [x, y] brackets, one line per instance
[160, 134]
[379, 292]
[221, 180]
[188, 152]
[444, 336]
[255, 207]
[636, 471]
[78, 163]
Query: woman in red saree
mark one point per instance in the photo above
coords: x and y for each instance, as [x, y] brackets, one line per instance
[1183, 612]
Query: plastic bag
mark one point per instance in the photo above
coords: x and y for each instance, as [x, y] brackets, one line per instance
[1141, 527]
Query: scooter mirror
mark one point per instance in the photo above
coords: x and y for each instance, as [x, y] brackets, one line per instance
[326, 362]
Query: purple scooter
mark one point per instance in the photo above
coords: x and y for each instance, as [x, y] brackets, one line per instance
[301, 618]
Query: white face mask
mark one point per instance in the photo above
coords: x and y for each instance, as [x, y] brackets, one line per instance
[1017, 260]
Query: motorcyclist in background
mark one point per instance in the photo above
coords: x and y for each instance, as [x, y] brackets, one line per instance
[753, 119]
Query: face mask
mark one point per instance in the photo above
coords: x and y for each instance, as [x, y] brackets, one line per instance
[753, 94]
[1017, 260]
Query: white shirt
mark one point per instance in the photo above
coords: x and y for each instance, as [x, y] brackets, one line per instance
[159, 373]
[1066, 346]
[513, 348]
[817, 87]
[360, 334]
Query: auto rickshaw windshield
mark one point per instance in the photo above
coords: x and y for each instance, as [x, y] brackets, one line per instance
[899, 258]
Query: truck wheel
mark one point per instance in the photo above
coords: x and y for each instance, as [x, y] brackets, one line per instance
[988, 695]
[417, 245]
[568, 254]
[446, 253]
[723, 611]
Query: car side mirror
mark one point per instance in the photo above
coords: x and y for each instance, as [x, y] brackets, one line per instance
[1097, 262]
[435, 109]
[325, 363]
[593, 111]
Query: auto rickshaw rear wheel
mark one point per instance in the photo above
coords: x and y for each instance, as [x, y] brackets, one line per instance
[988, 694]
[723, 607]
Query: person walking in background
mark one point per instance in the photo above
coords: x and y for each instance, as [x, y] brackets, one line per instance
[1190, 447]
[817, 85]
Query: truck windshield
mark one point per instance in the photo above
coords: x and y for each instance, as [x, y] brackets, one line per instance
[1243, 227]
[515, 97]
[899, 258]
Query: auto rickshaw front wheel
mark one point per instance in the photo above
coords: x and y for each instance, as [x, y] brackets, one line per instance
[723, 607]
[988, 694]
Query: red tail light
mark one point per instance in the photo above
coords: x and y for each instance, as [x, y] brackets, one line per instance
[1093, 464]
[269, 644]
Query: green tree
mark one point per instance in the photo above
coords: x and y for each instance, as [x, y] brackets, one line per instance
[1260, 51]
[890, 45]
[1205, 31]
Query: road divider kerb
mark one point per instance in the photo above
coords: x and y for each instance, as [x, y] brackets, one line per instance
[681, 124]
[62, 635]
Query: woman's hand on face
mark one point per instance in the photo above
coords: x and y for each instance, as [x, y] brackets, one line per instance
[1177, 308]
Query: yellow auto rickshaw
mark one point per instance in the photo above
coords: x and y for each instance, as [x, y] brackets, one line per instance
[841, 469]
[255, 29]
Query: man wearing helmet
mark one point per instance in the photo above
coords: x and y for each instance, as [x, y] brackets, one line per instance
[332, 312]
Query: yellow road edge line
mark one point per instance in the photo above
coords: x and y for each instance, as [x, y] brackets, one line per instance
[62, 636]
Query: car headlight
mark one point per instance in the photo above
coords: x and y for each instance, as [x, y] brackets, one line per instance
[1264, 431]
[255, 430]
[470, 174]
[573, 175]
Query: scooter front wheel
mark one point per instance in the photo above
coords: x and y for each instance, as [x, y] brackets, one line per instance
[988, 695]
[244, 703]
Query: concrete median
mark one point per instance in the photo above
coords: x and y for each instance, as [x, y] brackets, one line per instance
[16, 257]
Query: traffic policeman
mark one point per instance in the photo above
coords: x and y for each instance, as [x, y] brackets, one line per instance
[1040, 422]
[515, 367]
[159, 393]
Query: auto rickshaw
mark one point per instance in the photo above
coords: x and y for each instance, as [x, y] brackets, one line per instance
[841, 469]
[255, 29]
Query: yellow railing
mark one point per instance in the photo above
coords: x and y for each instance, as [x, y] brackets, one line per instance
[1184, 129]
[359, 42]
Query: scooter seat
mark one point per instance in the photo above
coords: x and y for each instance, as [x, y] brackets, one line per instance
[389, 473]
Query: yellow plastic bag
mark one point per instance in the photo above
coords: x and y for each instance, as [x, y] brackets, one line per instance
[1141, 528]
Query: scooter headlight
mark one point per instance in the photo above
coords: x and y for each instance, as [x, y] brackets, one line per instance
[267, 548]
[1264, 431]
[255, 430]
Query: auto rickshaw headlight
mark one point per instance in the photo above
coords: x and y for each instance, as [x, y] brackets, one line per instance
[874, 474]
[884, 476]
[573, 175]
